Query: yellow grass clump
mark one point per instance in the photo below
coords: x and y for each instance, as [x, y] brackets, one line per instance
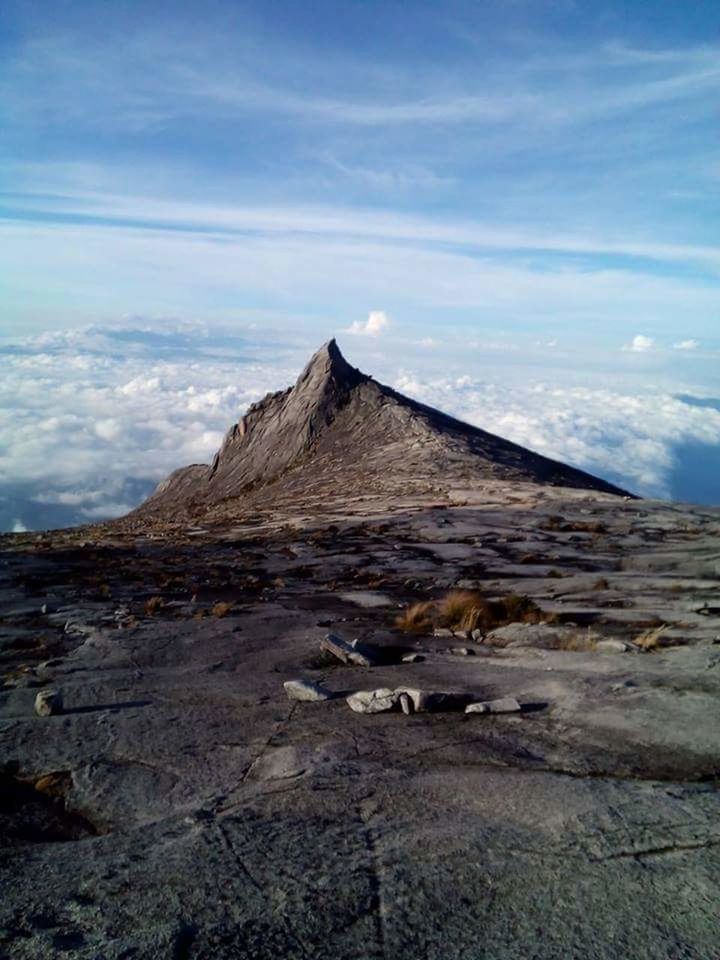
[467, 610]
[416, 618]
[650, 639]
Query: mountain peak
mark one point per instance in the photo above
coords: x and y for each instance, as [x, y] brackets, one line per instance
[328, 364]
[337, 428]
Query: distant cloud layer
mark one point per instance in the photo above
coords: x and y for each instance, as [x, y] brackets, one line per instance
[628, 438]
[92, 419]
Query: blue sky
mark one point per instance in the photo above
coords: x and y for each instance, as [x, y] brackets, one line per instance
[524, 187]
[548, 166]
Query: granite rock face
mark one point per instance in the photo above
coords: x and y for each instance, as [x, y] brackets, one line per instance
[335, 426]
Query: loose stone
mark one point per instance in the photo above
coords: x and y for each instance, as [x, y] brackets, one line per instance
[372, 701]
[611, 646]
[503, 705]
[345, 652]
[48, 703]
[306, 690]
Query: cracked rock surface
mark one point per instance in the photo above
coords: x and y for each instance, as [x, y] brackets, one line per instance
[181, 806]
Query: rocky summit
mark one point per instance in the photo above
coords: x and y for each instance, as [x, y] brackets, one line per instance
[336, 430]
[374, 684]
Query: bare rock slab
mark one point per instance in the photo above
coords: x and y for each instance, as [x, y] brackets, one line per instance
[48, 703]
[306, 690]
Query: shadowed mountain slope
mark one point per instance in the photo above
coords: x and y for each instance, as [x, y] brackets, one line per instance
[340, 429]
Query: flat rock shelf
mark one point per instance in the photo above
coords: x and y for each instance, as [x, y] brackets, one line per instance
[182, 804]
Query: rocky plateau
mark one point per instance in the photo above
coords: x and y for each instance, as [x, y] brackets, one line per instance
[237, 722]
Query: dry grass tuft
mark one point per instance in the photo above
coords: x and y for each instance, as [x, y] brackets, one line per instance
[461, 610]
[221, 609]
[467, 610]
[650, 639]
[54, 784]
[580, 642]
[416, 619]
[153, 606]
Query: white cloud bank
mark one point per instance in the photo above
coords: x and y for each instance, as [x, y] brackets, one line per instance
[630, 438]
[376, 322]
[686, 345]
[91, 419]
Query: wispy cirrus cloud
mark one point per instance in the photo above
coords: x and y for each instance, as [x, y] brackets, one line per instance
[151, 79]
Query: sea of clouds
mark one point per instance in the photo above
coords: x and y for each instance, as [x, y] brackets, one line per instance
[92, 419]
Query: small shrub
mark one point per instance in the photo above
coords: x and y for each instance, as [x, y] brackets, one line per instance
[555, 574]
[601, 584]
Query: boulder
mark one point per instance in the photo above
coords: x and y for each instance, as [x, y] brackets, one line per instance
[306, 690]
